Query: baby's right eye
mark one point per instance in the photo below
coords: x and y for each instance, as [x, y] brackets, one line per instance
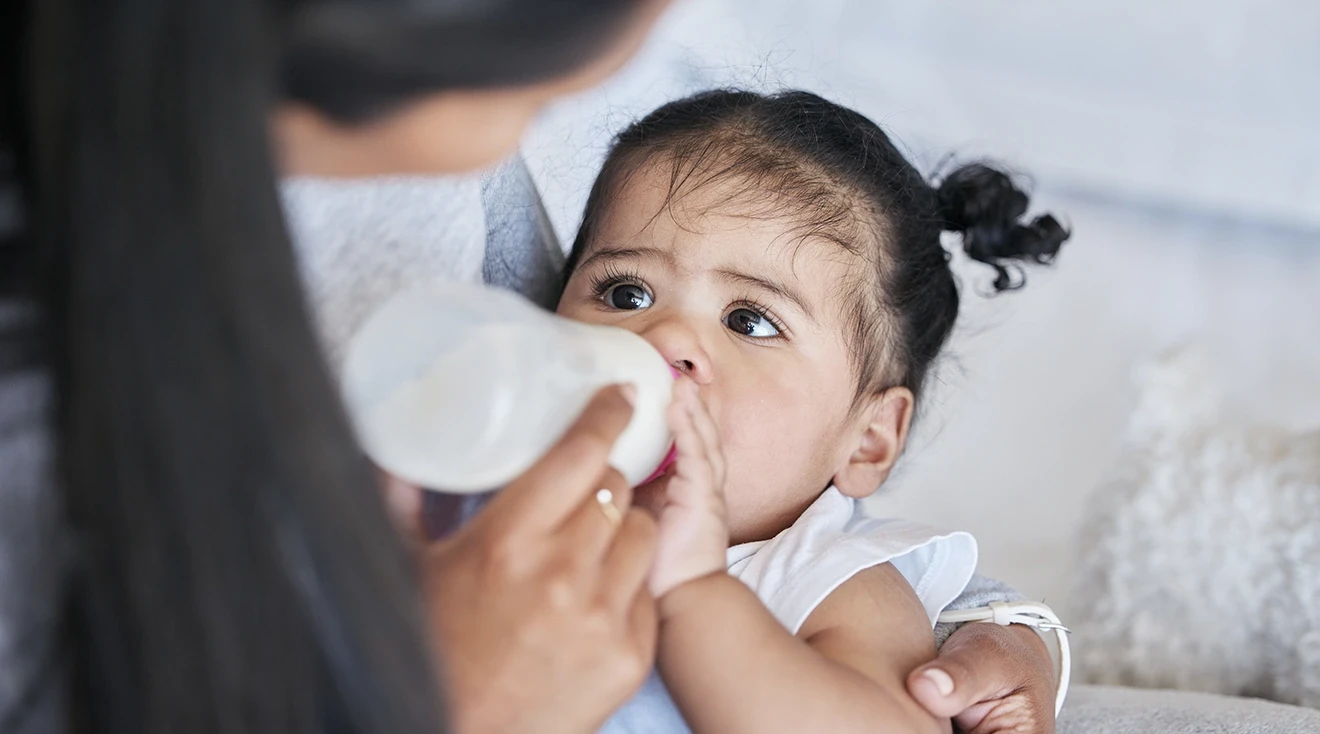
[627, 297]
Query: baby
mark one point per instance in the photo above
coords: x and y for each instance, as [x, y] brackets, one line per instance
[785, 257]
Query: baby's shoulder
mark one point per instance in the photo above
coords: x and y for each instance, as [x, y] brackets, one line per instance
[879, 591]
[834, 541]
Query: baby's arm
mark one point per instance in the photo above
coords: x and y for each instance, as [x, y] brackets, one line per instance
[732, 667]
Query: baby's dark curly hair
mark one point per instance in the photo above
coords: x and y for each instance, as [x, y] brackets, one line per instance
[844, 179]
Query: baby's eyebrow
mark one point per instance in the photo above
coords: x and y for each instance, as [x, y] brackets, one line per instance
[770, 286]
[610, 254]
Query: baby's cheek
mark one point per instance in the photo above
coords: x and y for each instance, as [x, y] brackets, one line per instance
[757, 442]
[767, 484]
[777, 444]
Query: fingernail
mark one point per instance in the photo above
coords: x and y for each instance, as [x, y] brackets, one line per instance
[943, 683]
[629, 392]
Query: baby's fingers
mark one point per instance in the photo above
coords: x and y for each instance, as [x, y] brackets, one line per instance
[697, 481]
[705, 427]
[691, 461]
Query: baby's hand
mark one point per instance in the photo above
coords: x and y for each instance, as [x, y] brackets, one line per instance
[689, 504]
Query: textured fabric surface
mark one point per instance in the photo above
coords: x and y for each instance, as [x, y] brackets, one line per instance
[1105, 710]
[980, 591]
[1200, 565]
[522, 252]
[361, 241]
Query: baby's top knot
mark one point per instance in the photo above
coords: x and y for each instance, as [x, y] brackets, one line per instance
[986, 206]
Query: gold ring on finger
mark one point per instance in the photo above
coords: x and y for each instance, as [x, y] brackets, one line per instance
[605, 500]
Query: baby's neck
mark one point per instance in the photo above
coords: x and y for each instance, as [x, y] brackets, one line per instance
[764, 523]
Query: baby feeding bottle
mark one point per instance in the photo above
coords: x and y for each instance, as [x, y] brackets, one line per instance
[461, 388]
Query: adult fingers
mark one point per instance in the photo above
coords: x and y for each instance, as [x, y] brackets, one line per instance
[949, 686]
[628, 562]
[1016, 713]
[567, 475]
[980, 664]
[591, 529]
[643, 623]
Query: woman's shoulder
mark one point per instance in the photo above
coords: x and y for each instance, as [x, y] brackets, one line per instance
[32, 544]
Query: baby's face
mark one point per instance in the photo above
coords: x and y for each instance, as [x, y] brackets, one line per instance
[753, 314]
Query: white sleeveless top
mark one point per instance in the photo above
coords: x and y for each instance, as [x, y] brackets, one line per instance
[793, 572]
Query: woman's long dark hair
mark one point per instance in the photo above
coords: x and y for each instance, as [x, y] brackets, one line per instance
[233, 568]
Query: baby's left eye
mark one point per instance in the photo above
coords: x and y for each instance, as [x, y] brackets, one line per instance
[627, 297]
[747, 322]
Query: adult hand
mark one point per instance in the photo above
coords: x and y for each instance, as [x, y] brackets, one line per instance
[989, 678]
[539, 606]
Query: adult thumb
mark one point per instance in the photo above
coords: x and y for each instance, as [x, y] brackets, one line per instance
[949, 687]
[978, 667]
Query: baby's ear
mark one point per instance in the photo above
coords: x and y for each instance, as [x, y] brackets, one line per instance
[881, 434]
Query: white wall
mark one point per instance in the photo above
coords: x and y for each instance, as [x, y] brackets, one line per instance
[1210, 106]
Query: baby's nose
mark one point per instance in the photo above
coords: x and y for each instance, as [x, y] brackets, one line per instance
[681, 347]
